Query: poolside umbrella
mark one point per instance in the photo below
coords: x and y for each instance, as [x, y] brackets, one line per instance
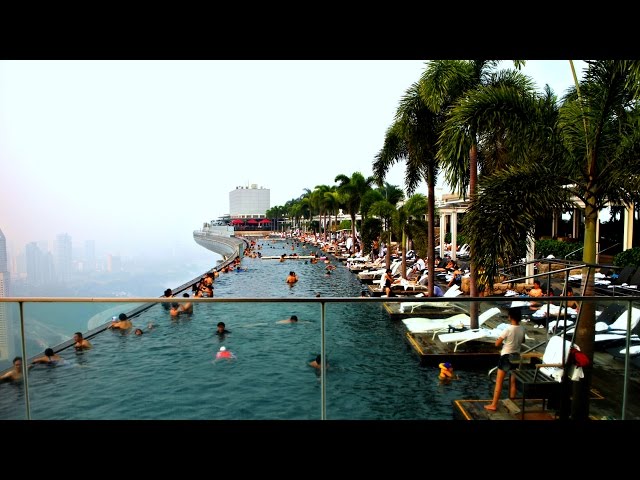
[237, 221]
[252, 221]
[264, 220]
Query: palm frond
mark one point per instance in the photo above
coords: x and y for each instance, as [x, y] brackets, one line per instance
[504, 211]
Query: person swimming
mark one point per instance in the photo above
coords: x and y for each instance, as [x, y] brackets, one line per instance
[317, 363]
[446, 372]
[49, 358]
[221, 330]
[224, 353]
[292, 319]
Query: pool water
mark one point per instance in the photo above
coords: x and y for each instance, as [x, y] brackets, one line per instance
[170, 372]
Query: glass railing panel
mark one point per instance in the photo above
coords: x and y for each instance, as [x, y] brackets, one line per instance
[12, 392]
[171, 371]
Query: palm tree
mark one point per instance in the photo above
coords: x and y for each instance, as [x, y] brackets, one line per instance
[368, 199]
[414, 210]
[275, 213]
[385, 210]
[332, 203]
[392, 193]
[587, 147]
[444, 85]
[320, 201]
[353, 188]
[413, 138]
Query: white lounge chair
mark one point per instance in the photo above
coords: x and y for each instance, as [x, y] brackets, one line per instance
[466, 336]
[616, 330]
[452, 292]
[482, 334]
[435, 325]
[427, 325]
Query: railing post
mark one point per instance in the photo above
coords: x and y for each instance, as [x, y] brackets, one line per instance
[323, 365]
[25, 367]
[627, 363]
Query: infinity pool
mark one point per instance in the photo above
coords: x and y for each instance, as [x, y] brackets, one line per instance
[170, 371]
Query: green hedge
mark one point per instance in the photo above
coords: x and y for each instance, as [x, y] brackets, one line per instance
[628, 257]
[558, 249]
[371, 228]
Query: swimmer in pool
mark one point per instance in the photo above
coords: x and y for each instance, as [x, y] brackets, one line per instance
[446, 373]
[15, 374]
[221, 330]
[49, 358]
[292, 319]
[317, 363]
[224, 353]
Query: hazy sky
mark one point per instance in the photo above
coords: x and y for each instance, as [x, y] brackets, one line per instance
[137, 154]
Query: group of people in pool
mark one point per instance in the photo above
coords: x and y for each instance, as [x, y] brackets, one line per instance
[122, 323]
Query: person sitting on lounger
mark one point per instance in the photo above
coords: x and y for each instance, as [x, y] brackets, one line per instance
[535, 292]
[571, 303]
[456, 277]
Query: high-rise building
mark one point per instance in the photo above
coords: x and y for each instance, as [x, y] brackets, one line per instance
[62, 257]
[4, 320]
[4, 292]
[4, 265]
[114, 263]
[33, 256]
[249, 202]
[39, 265]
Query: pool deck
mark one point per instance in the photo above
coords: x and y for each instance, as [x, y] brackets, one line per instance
[605, 401]
[431, 351]
[397, 313]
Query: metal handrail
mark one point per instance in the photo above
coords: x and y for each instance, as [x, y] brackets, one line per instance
[321, 301]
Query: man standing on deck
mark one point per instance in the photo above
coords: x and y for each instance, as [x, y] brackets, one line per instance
[511, 340]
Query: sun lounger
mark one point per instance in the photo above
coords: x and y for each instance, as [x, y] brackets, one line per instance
[467, 336]
[452, 292]
[621, 352]
[605, 334]
[479, 334]
[424, 325]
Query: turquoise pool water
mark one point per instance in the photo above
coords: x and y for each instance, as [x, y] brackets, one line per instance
[170, 372]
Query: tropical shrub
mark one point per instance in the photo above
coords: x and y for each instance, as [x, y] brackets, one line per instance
[558, 249]
[371, 228]
[628, 257]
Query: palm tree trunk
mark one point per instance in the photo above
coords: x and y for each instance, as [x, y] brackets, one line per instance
[353, 233]
[473, 289]
[404, 253]
[431, 228]
[585, 330]
[388, 257]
